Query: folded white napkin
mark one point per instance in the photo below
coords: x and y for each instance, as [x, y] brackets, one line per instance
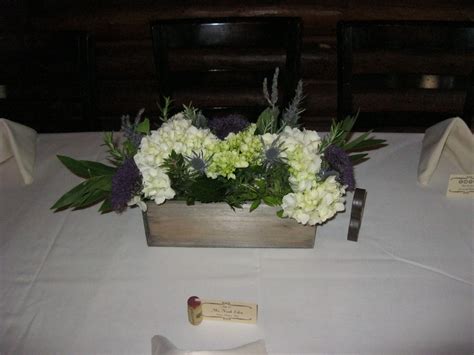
[450, 139]
[18, 141]
[162, 346]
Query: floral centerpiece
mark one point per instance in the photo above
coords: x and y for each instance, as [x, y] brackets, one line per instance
[272, 161]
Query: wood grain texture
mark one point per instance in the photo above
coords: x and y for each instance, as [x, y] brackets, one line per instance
[174, 224]
[420, 67]
[125, 56]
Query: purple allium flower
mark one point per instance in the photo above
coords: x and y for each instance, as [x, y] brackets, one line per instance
[125, 182]
[338, 160]
[222, 126]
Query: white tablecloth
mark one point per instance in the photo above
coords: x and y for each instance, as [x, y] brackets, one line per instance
[77, 282]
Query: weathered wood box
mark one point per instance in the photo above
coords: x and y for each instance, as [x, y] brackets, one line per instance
[174, 224]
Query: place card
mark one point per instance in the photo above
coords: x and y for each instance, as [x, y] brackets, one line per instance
[242, 312]
[229, 311]
[461, 185]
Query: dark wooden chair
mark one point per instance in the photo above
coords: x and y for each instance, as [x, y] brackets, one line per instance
[219, 64]
[469, 103]
[48, 80]
[405, 76]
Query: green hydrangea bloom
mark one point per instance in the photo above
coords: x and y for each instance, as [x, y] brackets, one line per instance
[236, 151]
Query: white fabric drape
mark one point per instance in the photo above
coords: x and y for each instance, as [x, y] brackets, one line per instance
[450, 139]
[19, 142]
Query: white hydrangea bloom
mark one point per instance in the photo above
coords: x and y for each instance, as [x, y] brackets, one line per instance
[268, 139]
[179, 135]
[317, 204]
[156, 185]
[312, 201]
[301, 150]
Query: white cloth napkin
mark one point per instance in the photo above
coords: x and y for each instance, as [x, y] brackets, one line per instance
[160, 345]
[450, 139]
[18, 141]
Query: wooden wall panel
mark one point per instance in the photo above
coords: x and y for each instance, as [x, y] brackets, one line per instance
[125, 68]
[128, 59]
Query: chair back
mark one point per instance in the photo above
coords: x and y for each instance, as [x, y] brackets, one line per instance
[405, 75]
[219, 65]
[48, 80]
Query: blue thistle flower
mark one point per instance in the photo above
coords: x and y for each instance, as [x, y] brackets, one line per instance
[272, 154]
[223, 125]
[125, 183]
[339, 161]
[197, 162]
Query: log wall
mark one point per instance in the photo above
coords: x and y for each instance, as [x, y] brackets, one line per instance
[125, 69]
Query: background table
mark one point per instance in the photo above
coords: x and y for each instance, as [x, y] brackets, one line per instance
[81, 282]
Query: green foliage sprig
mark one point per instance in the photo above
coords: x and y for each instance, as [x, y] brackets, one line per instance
[340, 135]
[95, 188]
[165, 109]
[195, 116]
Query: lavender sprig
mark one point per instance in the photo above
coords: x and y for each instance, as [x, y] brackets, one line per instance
[129, 129]
[292, 113]
[338, 160]
[272, 98]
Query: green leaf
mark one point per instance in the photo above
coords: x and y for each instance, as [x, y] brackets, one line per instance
[106, 206]
[100, 183]
[144, 126]
[91, 198]
[369, 143]
[254, 205]
[348, 123]
[280, 213]
[363, 142]
[358, 158]
[267, 121]
[208, 190]
[70, 197]
[352, 144]
[342, 129]
[86, 193]
[85, 168]
[272, 200]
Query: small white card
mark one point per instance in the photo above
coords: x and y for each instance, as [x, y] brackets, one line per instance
[461, 186]
[229, 311]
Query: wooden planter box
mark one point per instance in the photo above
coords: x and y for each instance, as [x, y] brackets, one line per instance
[174, 224]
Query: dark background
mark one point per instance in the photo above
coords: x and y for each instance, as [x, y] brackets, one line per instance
[126, 78]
